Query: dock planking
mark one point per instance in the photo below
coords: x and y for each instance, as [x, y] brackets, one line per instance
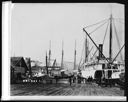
[88, 89]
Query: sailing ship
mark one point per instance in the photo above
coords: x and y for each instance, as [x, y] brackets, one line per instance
[55, 70]
[102, 69]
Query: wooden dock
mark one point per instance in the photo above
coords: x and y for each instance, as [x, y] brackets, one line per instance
[88, 89]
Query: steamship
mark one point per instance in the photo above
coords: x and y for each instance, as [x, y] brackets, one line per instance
[102, 69]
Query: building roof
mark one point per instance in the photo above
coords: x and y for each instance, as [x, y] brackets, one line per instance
[18, 62]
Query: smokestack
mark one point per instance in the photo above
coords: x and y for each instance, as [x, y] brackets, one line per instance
[101, 49]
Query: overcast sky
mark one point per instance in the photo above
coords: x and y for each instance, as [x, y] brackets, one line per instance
[34, 25]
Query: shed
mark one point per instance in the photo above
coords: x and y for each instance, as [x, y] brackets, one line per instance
[18, 68]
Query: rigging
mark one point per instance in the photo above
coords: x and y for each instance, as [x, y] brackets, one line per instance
[96, 23]
[117, 39]
[95, 44]
[97, 28]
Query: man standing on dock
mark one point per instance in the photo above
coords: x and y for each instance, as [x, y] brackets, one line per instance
[70, 80]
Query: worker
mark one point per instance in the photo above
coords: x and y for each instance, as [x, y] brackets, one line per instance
[70, 80]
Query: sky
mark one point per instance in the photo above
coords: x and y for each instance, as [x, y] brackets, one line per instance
[33, 26]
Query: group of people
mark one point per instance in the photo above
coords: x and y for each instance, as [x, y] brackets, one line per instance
[75, 79]
[79, 79]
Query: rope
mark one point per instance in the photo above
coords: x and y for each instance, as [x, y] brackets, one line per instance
[119, 20]
[97, 28]
[117, 38]
[81, 55]
[94, 44]
[103, 40]
[90, 51]
[94, 53]
[118, 53]
[105, 33]
[96, 23]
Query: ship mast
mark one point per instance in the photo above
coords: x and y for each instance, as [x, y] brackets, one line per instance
[49, 52]
[46, 64]
[62, 56]
[86, 49]
[75, 57]
[110, 40]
